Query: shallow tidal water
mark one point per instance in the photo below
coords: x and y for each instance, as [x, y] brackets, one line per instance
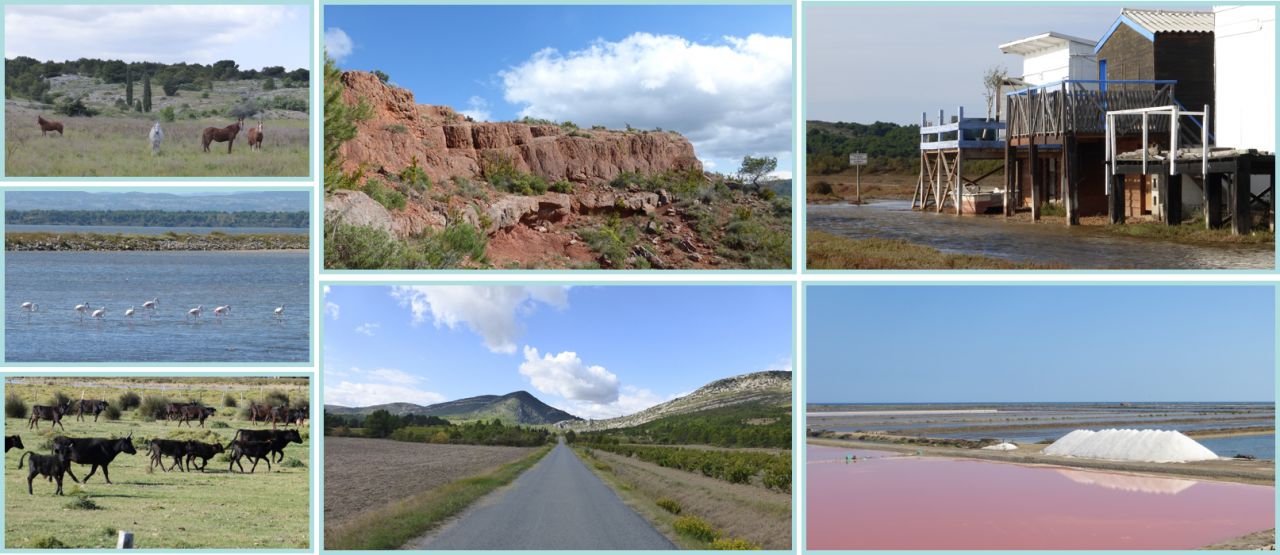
[1078, 247]
[909, 502]
[254, 283]
[154, 230]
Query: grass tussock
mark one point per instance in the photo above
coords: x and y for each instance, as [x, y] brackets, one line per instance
[833, 252]
[15, 406]
[391, 527]
[671, 505]
[352, 247]
[1194, 230]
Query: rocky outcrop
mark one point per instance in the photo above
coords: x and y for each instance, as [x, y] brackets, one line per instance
[771, 387]
[446, 145]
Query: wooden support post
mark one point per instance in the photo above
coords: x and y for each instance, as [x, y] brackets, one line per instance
[1271, 202]
[1071, 196]
[1115, 202]
[1213, 201]
[1241, 216]
[125, 540]
[959, 178]
[1010, 174]
[1033, 154]
[938, 163]
[1172, 197]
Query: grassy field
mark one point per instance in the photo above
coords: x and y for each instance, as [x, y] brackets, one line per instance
[105, 146]
[173, 510]
[669, 499]
[833, 252]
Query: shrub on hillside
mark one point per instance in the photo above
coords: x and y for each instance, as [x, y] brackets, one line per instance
[15, 406]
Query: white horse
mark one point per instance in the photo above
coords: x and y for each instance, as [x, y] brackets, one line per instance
[156, 136]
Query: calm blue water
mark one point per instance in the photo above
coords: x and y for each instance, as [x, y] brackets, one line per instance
[1262, 447]
[254, 283]
[127, 230]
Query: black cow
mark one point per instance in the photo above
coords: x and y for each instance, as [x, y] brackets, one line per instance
[281, 413]
[50, 466]
[257, 411]
[202, 451]
[161, 448]
[12, 441]
[95, 407]
[174, 409]
[199, 413]
[95, 451]
[282, 438]
[52, 414]
[252, 450]
[301, 415]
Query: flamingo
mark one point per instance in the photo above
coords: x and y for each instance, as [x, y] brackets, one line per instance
[129, 313]
[150, 306]
[81, 309]
[279, 311]
[195, 312]
[220, 311]
[29, 308]
[101, 313]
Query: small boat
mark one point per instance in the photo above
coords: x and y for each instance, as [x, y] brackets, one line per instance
[977, 199]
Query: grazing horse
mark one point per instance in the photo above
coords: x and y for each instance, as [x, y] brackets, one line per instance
[255, 137]
[46, 126]
[225, 135]
[156, 136]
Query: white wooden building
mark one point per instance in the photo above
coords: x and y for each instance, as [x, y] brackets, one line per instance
[1245, 76]
[1052, 57]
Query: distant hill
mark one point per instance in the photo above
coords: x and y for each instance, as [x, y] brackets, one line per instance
[519, 407]
[828, 145]
[761, 388]
[260, 201]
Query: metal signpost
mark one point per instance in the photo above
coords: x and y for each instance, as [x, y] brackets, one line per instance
[857, 160]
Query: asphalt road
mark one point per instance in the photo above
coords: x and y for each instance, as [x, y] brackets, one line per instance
[558, 504]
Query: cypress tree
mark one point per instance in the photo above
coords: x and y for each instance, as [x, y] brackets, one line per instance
[128, 86]
[146, 92]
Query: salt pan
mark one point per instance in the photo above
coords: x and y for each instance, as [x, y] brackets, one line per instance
[1001, 447]
[1131, 445]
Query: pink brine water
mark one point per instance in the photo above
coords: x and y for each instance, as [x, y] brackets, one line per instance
[922, 503]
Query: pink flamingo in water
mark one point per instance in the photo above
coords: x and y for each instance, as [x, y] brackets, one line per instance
[221, 311]
[28, 308]
[81, 309]
[102, 313]
[129, 313]
[279, 311]
[149, 307]
[195, 312]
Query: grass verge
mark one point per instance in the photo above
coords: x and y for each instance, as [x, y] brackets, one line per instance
[833, 252]
[392, 526]
[1193, 232]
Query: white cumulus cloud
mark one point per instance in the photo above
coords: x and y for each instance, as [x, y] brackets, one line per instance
[331, 309]
[389, 375]
[350, 394]
[625, 404]
[730, 99]
[478, 111]
[565, 375]
[337, 43]
[326, 290]
[367, 329]
[489, 311]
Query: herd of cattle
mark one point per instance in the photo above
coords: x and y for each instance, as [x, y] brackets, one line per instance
[254, 445]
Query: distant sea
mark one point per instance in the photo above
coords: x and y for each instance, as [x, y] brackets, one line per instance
[154, 230]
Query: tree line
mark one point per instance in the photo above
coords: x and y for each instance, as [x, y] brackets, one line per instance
[29, 78]
[158, 218]
[735, 426]
[889, 147]
[433, 429]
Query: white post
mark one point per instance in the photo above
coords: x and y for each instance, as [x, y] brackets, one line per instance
[125, 540]
[1204, 144]
[1173, 142]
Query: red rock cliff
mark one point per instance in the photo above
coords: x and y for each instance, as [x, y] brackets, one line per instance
[447, 145]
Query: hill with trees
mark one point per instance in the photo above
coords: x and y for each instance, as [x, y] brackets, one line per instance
[889, 146]
[29, 78]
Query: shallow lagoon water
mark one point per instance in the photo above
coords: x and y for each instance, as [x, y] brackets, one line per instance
[927, 503]
[155, 230]
[254, 283]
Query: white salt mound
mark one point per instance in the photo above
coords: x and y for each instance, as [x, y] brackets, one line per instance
[1001, 447]
[1131, 445]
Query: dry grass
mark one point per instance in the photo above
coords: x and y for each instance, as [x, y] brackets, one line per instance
[118, 146]
[833, 252]
[352, 487]
[740, 511]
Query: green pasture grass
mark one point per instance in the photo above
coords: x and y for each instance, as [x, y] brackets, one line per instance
[118, 147]
[163, 510]
[203, 389]
[391, 527]
[833, 252]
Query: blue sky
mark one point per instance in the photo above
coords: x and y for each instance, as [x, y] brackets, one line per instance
[694, 69]
[933, 344]
[613, 350]
[890, 63]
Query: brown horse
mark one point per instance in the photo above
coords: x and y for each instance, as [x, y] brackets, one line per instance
[226, 134]
[255, 137]
[46, 126]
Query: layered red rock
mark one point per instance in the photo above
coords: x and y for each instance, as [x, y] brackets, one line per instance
[446, 145]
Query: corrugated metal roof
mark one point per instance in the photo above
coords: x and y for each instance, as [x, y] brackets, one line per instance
[1041, 42]
[1169, 21]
